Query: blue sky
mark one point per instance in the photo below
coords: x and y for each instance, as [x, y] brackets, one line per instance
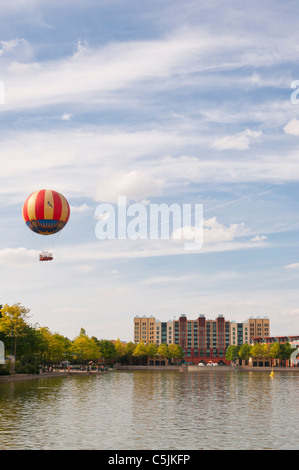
[167, 102]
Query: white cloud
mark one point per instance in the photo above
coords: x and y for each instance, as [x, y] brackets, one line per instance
[102, 163]
[18, 257]
[12, 46]
[216, 237]
[66, 116]
[83, 208]
[292, 127]
[292, 266]
[259, 238]
[98, 70]
[134, 185]
[215, 232]
[95, 74]
[238, 141]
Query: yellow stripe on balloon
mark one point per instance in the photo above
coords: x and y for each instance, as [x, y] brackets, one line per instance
[64, 209]
[48, 205]
[31, 206]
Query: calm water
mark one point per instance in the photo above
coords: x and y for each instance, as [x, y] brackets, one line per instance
[143, 410]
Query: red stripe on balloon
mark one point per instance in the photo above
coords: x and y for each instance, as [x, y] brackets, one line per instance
[40, 204]
[57, 206]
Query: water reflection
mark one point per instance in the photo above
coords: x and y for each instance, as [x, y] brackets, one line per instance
[151, 410]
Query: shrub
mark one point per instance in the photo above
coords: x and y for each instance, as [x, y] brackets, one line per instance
[4, 369]
[26, 368]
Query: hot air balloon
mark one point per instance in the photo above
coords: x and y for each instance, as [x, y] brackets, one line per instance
[46, 212]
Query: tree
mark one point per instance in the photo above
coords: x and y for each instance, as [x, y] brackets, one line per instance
[13, 322]
[275, 351]
[245, 351]
[163, 350]
[32, 344]
[106, 349]
[258, 350]
[85, 348]
[120, 349]
[130, 348]
[232, 353]
[59, 346]
[175, 351]
[286, 351]
[152, 350]
[140, 351]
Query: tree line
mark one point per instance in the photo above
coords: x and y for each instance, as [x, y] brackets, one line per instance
[275, 351]
[34, 346]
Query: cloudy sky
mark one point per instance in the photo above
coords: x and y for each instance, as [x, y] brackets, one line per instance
[162, 101]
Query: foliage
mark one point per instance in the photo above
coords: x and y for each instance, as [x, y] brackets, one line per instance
[162, 350]
[281, 351]
[232, 353]
[106, 350]
[245, 351]
[140, 351]
[175, 351]
[4, 369]
[258, 350]
[28, 368]
[120, 349]
[84, 348]
[13, 321]
[33, 346]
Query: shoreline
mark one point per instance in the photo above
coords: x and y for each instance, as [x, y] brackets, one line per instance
[220, 369]
[195, 369]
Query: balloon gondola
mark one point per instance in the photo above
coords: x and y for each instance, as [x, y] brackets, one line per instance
[46, 212]
[45, 256]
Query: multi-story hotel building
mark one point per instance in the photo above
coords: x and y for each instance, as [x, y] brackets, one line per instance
[200, 339]
[144, 329]
[259, 327]
[239, 333]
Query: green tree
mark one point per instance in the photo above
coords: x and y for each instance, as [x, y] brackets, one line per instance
[152, 350]
[140, 351]
[258, 350]
[31, 345]
[175, 351]
[130, 348]
[59, 346]
[232, 353]
[286, 351]
[106, 349]
[275, 350]
[120, 349]
[85, 348]
[245, 351]
[163, 350]
[13, 322]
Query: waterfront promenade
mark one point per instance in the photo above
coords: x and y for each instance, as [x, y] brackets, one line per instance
[185, 369]
[223, 369]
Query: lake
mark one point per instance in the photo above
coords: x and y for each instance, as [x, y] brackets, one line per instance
[143, 410]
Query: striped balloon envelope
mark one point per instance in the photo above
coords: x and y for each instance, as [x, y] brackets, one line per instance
[46, 211]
